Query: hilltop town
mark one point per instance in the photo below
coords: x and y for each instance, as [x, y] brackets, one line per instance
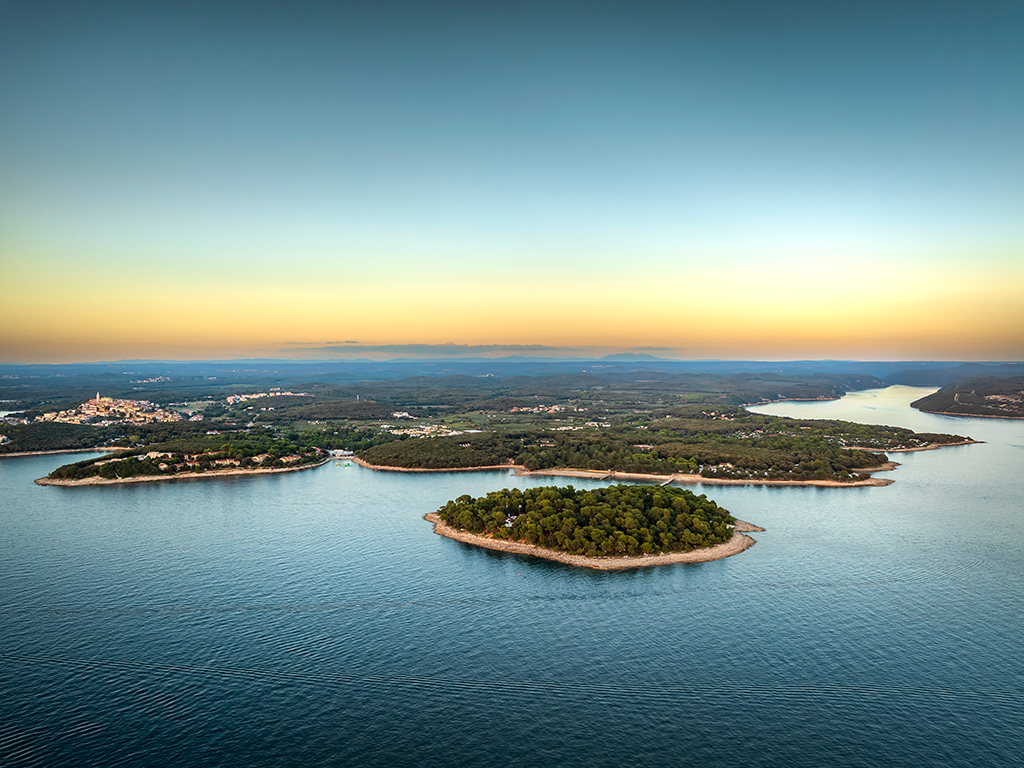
[104, 411]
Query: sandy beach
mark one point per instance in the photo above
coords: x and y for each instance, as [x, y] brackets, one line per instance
[521, 471]
[734, 546]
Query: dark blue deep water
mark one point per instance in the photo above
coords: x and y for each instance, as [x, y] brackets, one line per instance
[313, 619]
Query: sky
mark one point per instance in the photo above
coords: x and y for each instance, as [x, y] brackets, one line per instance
[711, 180]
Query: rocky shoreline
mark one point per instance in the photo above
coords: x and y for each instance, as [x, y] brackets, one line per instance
[969, 415]
[683, 479]
[738, 543]
[931, 447]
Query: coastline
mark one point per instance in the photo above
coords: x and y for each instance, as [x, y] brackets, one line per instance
[969, 415]
[932, 447]
[518, 469]
[60, 450]
[385, 468]
[183, 476]
[818, 399]
[738, 543]
[683, 479]
[686, 479]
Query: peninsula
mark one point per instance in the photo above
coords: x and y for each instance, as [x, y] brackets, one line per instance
[994, 397]
[611, 528]
[217, 455]
[684, 444]
[97, 479]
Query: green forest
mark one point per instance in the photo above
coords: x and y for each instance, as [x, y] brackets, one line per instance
[1001, 397]
[617, 520]
[726, 445]
[460, 451]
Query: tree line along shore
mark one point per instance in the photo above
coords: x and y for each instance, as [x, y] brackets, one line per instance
[713, 446]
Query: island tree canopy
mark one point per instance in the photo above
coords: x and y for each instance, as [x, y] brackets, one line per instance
[617, 520]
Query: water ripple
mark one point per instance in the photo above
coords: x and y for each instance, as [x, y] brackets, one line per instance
[607, 691]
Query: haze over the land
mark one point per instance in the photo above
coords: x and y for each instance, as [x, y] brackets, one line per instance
[745, 180]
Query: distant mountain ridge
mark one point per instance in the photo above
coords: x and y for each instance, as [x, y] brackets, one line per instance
[631, 357]
[911, 373]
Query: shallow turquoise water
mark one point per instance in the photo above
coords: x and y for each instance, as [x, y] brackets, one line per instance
[314, 619]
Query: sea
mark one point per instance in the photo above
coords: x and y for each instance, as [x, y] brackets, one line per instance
[314, 619]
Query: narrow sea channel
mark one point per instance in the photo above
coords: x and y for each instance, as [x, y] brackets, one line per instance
[313, 619]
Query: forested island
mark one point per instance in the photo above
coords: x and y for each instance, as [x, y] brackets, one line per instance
[613, 527]
[992, 397]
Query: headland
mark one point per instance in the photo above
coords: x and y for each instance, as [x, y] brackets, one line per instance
[210, 475]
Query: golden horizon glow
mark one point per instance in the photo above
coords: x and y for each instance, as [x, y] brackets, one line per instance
[795, 308]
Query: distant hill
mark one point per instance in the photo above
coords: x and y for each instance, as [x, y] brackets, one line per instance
[630, 357]
[929, 374]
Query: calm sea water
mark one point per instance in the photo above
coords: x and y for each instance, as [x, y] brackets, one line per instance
[313, 619]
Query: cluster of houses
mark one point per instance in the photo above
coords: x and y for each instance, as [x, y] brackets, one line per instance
[275, 392]
[426, 430]
[109, 410]
[192, 460]
[546, 409]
